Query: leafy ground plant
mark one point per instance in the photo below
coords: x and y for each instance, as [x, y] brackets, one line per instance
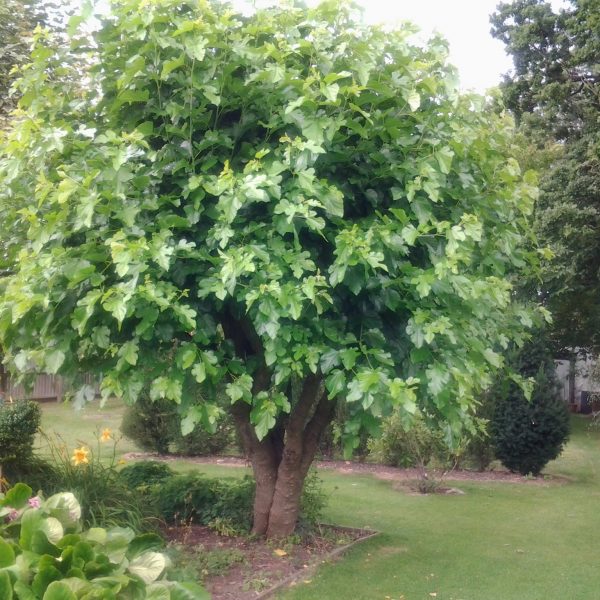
[45, 554]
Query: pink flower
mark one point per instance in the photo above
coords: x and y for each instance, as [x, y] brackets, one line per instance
[34, 502]
[13, 514]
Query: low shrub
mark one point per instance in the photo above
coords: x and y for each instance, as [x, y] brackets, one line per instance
[225, 504]
[145, 472]
[195, 498]
[19, 423]
[155, 426]
[45, 553]
[417, 446]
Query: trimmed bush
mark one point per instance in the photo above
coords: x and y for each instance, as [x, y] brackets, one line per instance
[150, 425]
[203, 443]
[195, 498]
[19, 422]
[146, 472]
[156, 427]
[528, 434]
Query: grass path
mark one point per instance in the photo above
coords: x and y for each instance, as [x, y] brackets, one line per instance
[498, 541]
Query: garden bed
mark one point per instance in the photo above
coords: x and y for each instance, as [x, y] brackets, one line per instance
[240, 568]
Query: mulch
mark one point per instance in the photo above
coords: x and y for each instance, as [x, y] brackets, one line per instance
[363, 468]
[266, 567]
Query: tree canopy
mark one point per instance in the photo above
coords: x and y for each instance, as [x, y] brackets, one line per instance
[554, 93]
[292, 205]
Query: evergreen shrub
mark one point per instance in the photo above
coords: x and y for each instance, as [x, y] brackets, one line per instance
[529, 434]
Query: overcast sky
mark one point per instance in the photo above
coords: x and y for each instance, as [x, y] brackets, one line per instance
[464, 23]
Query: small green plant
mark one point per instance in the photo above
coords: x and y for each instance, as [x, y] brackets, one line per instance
[45, 553]
[312, 501]
[414, 446]
[198, 563]
[224, 527]
[256, 584]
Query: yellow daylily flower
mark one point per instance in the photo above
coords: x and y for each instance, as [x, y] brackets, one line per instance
[106, 435]
[80, 455]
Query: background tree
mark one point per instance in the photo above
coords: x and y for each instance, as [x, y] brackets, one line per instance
[292, 206]
[18, 19]
[554, 92]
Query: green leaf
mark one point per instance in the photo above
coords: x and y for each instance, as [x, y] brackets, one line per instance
[413, 100]
[158, 591]
[263, 415]
[199, 372]
[240, 389]
[17, 496]
[335, 382]
[65, 507]
[7, 555]
[188, 591]
[195, 47]
[148, 566]
[129, 352]
[444, 157]
[333, 202]
[59, 590]
[5, 586]
[54, 361]
[170, 65]
[493, 358]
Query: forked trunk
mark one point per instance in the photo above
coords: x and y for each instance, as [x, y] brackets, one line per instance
[282, 459]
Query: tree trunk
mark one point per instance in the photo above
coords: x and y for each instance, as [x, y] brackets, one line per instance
[281, 460]
[281, 468]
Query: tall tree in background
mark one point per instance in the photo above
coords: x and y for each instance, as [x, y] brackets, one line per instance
[18, 20]
[554, 93]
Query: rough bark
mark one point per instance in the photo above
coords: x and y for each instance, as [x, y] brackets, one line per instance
[281, 460]
[280, 469]
[298, 454]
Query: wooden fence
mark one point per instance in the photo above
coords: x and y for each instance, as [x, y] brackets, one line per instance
[46, 387]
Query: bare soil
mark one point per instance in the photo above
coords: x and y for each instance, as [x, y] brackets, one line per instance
[266, 566]
[379, 471]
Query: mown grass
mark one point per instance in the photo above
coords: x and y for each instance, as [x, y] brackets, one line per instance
[82, 427]
[498, 541]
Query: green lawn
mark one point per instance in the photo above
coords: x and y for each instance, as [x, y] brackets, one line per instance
[497, 542]
[82, 427]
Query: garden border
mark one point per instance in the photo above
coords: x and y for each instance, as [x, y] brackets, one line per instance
[312, 568]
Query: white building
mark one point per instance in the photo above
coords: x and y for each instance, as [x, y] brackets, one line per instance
[578, 388]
